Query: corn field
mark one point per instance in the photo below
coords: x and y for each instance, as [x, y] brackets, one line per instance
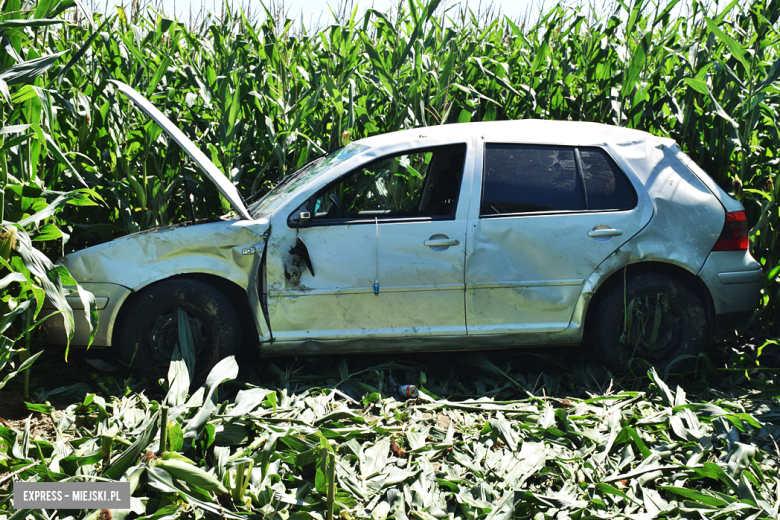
[490, 438]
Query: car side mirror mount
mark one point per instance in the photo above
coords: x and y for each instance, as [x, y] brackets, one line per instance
[304, 219]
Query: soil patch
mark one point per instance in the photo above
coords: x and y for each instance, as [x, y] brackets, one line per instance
[13, 414]
[12, 406]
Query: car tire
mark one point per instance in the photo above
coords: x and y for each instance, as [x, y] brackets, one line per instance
[683, 328]
[151, 322]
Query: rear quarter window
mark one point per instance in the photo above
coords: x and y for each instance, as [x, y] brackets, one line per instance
[606, 186]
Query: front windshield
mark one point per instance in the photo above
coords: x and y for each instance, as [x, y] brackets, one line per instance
[274, 198]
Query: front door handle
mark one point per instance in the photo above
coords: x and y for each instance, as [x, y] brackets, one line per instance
[609, 232]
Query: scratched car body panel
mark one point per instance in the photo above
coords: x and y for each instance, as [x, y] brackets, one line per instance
[428, 239]
[136, 261]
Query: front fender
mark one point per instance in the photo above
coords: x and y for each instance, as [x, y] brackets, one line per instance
[232, 250]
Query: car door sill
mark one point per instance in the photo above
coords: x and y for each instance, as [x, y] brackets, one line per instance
[359, 290]
[362, 345]
[517, 328]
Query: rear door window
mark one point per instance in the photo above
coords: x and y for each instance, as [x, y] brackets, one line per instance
[529, 179]
[520, 179]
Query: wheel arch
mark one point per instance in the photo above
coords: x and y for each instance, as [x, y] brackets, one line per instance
[678, 272]
[236, 294]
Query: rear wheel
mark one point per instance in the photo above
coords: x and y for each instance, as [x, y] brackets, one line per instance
[149, 330]
[657, 318]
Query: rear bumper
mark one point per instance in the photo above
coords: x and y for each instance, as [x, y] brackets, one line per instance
[109, 298]
[734, 281]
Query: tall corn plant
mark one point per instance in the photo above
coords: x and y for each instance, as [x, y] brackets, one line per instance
[31, 164]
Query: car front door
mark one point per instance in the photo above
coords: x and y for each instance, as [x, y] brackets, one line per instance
[386, 244]
[544, 218]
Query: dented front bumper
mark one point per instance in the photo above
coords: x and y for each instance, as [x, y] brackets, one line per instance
[109, 298]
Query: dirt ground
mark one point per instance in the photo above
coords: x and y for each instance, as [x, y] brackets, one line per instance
[13, 414]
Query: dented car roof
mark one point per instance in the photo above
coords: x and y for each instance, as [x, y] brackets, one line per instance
[532, 131]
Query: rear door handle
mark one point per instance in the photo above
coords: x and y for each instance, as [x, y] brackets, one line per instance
[442, 242]
[605, 232]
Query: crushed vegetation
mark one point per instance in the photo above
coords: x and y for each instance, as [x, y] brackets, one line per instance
[504, 434]
[491, 435]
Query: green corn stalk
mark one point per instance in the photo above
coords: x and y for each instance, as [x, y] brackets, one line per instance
[242, 479]
[331, 501]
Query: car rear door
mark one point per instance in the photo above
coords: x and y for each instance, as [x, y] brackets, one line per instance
[542, 220]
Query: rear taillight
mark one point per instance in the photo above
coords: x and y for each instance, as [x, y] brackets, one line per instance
[734, 236]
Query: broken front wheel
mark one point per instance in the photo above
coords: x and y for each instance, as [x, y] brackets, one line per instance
[149, 329]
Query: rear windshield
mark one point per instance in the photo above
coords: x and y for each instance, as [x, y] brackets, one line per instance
[729, 203]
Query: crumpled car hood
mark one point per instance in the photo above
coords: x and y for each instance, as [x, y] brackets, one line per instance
[229, 249]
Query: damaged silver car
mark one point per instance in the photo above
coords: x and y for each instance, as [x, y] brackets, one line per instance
[462, 236]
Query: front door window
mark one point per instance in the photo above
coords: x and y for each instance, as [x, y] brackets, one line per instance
[423, 183]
